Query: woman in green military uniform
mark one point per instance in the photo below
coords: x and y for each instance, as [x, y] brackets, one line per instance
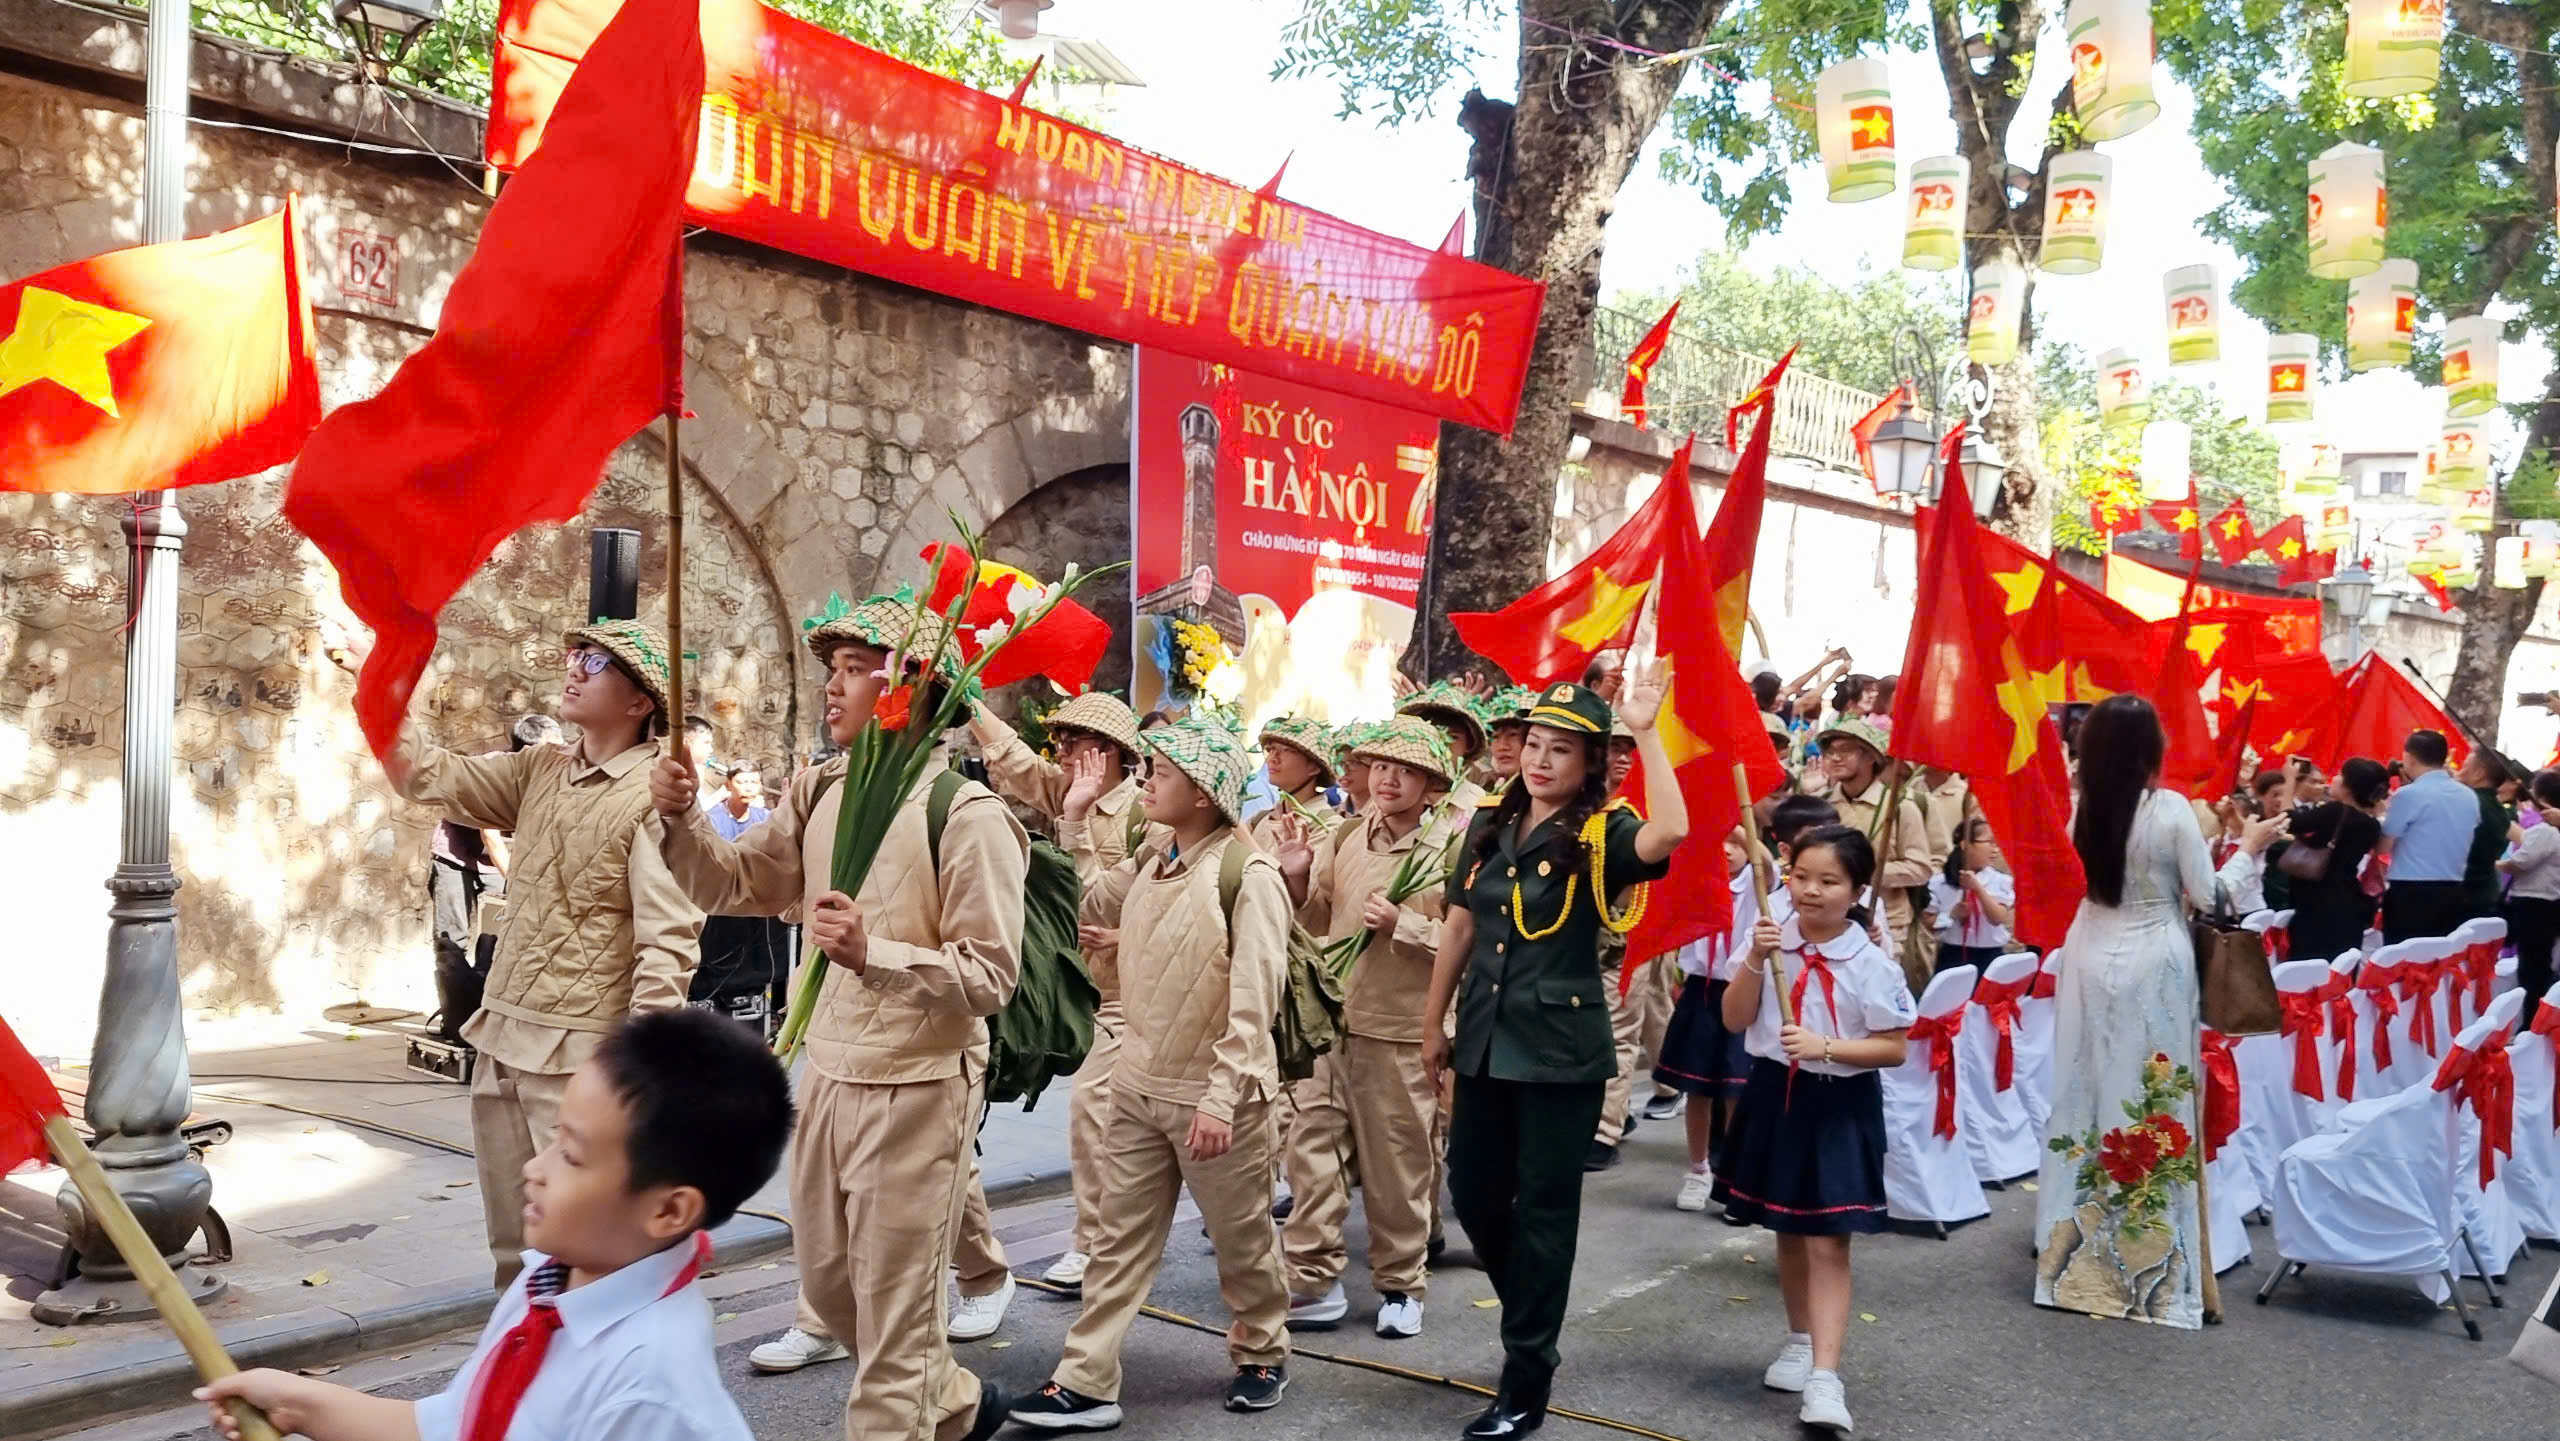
[1534, 1052]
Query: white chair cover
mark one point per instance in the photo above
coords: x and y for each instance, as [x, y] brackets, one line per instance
[2474, 947]
[2035, 1042]
[1927, 1176]
[2376, 1195]
[2387, 1060]
[2532, 1174]
[2231, 1193]
[2496, 1230]
[2268, 1097]
[2418, 1001]
[2000, 1137]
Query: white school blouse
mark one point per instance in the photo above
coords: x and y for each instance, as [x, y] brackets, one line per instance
[1867, 994]
[1951, 920]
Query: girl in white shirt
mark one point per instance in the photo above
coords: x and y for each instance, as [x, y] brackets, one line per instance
[1805, 1157]
[1970, 901]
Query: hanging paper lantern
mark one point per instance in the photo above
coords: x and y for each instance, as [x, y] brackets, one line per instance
[2462, 577]
[2110, 66]
[1933, 235]
[2075, 212]
[2473, 511]
[2290, 361]
[2326, 464]
[2350, 211]
[1853, 117]
[2337, 527]
[2462, 454]
[2422, 565]
[2124, 396]
[2441, 547]
[2471, 365]
[2541, 557]
[2382, 315]
[2394, 47]
[2195, 315]
[1991, 329]
[2506, 571]
[2168, 460]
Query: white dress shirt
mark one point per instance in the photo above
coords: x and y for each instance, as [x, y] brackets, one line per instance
[630, 1362]
[1867, 995]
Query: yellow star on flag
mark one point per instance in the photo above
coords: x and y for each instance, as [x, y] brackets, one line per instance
[2184, 520]
[1733, 610]
[2206, 640]
[2085, 689]
[2289, 547]
[2288, 379]
[1877, 125]
[1611, 604]
[2021, 699]
[2290, 741]
[2021, 586]
[2241, 692]
[2231, 527]
[1679, 743]
[65, 341]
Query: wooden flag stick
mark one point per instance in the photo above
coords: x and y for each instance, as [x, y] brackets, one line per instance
[176, 1307]
[675, 585]
[1760, 871]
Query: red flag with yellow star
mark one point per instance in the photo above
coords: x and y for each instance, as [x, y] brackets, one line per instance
[2191, 648]
[1640, 364]
[2378, 707]
[2081, 645]
[2181, 519]
[2235, 536]
[2110, 517]
[1862, 431]
[163, 365]
[2288, 544]
[1709, 721]
[1968, 703]
[1552, 633]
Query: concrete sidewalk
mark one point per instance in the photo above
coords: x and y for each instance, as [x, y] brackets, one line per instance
[355, 1219]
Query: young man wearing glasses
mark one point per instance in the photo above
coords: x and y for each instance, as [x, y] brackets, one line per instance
[595, 927]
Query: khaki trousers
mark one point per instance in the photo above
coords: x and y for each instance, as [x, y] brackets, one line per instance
[1631, 1020]
[513, 1114]
[1148, 1163]
[877, 1173]
[1375, 1101]
[1656, 990]
[1088, 1115]
[977, 1258]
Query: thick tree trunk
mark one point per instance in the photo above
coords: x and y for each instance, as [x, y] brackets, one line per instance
[1585, 110]
[2494, 620]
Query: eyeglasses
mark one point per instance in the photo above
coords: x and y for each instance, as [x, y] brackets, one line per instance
[583, 661]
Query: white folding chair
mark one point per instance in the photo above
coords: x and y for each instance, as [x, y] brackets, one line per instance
[2471, 978]
[2035, 1041]
[2425, 981]
[2532, 1174]
[2000, 1137]
[1927, 1176]
[2386, 1059]
[2487, 1212]
[2345, 1068]
[2279, 935]
[2378, 1195]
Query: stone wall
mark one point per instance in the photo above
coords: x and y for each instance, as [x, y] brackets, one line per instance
[839, 423]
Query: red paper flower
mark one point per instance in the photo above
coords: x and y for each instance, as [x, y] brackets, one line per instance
[894, 706]
[2127, 1155]
[2173, 1137]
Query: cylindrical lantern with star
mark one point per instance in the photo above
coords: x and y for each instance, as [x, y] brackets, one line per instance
[2290, 371]
[2167, 466]
[2506, 572]
[1991, 326]
[2382, 315]
[2075, 212]
[2474, 510]
[2124, 394]
[2462, 455]
[2195, 315]
[2350, 211]
[2394, 47]
[1853, 118]
[1933, 233]
[2471, 365]
[2110, 66]
[2336, 527]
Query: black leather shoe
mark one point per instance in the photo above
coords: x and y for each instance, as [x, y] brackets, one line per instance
[1504, 1419]
[1601, 1157]
[991, 1412]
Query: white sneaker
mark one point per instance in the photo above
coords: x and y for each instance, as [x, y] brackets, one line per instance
[1695, 1189]
[1794, 1365]
[974, 1318]
[1399, 1315]
[794, 1349]
[1067, 1270]
[1321, 1310]
[1826, 1405]
[1666, 1108]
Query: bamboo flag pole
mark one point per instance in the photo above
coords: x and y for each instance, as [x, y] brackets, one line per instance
[161, 1284]
[675, 584]
[1761, 872]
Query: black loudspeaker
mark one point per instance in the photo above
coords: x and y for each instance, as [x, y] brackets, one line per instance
[613, 574]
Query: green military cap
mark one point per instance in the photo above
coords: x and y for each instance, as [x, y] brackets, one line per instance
[1411, 741]
[1443, 702]
[884, 622]
[1307, 737]
[1573, 709]
[1210, 755]
[1860, 729]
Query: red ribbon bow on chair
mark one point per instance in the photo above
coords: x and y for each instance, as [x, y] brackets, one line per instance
[2042, 987]
[2485, 1080]
[2377, 982]
[1941, 1033]
[2419, 982]
[2304, 1015]
[2342, 1024]
[2000, 1004]
[2546, 1024]
[2480, 963]
[2279, 941]
[2221, 1093]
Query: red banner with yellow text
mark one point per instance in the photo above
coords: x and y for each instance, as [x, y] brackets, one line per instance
[1285, 528]
[813, 144]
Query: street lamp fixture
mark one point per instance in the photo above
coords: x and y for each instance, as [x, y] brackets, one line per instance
[1020, 19]
[1904, 446]
[384, 29]
[1984, 467]
[2351, 590]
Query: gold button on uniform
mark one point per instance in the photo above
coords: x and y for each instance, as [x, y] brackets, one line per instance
[1577, 1003]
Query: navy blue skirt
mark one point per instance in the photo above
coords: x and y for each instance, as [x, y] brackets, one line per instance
[1699, 1056]
[1805, 1155]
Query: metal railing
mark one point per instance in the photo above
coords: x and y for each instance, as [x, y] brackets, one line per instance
[1696, 381]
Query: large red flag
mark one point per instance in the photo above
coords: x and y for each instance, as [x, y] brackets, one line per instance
[163, 365]
[1969, 704]
[1064, 645]
[1862, 431]
[1709, 721]
[562, 335]
[27, 1100]
[2063, 621]
[1640, 364]
[2190, 648]
[1552, 633]
[2378, 708]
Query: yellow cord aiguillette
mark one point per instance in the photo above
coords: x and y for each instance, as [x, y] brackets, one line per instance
[1595, 834]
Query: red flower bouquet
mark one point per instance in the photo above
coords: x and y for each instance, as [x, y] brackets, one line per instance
[2133, 1169]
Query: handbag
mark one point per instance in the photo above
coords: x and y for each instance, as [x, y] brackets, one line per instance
[2305, 862]
[2235, 987]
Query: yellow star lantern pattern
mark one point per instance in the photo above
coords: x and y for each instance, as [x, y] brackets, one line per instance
[67, 342]
[2021, 698]
[1611, 605]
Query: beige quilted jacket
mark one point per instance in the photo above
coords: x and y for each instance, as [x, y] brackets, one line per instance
[1198, 1006]
[1392, 978]
[595, 928]
[945, 952]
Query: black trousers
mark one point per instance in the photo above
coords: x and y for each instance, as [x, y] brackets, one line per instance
[1515, 1171]
[2533, 925]
[2415, 910]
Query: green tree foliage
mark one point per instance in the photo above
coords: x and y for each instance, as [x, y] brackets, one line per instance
[1844, 332]
[452, 57]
